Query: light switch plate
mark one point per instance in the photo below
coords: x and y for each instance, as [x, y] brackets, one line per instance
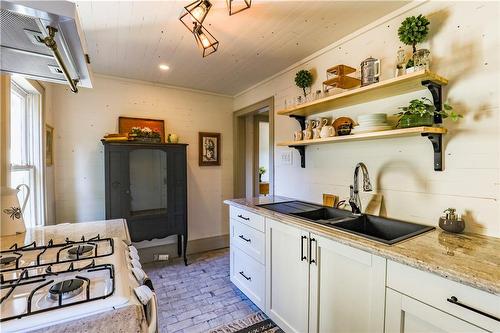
[287, 157]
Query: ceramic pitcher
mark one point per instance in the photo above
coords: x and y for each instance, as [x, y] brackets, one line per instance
[12, 221]
[308, 132]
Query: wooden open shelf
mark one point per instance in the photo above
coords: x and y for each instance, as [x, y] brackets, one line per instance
[387, 88]
[368, 136]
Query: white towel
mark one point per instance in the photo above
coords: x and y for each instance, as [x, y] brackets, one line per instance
[144, 294]
[139, 274]
[135, 263]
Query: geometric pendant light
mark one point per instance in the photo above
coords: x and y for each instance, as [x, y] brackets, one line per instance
[205, 40]
[236, 6]
[195, 13]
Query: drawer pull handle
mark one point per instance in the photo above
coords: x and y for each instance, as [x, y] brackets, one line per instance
[302, 256]
[244, 218]
[455, 301]
[246, 277]
[245, 239]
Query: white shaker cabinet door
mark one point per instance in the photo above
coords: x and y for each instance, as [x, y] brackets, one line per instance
[408, 315]
[347, 288]
[287, 276]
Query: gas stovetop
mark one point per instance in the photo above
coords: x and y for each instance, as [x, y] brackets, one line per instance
[38, 278]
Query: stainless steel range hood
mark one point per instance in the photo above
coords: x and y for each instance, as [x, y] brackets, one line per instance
[42, 40]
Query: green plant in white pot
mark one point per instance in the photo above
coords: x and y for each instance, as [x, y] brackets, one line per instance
[303, 79]
[421, 112]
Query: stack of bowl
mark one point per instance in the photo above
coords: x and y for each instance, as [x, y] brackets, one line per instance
[373, 122]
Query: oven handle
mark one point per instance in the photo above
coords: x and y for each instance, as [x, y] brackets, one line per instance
[153, 321]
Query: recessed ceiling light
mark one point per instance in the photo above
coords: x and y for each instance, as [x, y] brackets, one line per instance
[164, 67]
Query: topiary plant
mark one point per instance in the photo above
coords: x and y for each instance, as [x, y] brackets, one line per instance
[303, 79]
[413, 30]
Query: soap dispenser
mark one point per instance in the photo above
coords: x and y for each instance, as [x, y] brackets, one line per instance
[451, 221]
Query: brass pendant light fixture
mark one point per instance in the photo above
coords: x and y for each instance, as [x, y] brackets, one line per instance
[236, 6]
[195, 13]
[205, 40]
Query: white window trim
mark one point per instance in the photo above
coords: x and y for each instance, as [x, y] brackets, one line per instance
[36, 159]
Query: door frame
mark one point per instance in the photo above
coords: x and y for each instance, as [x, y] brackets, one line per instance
[239, 146]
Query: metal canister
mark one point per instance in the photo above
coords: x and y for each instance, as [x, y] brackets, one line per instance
[370, 71]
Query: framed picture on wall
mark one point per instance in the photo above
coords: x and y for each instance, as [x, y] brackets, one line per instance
[49, 145]
[125, 124]
[209, 149]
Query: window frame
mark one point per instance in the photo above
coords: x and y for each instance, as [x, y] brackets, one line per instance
[32, 159]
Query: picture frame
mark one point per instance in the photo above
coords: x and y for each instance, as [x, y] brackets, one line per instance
[125, 124]
[209, 148]
[49, 145]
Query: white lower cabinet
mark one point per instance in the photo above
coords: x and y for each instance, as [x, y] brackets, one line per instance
[247, 256]
[287, 276]
[419, 301]
[249, 276]
[315, 284]
[346, 288]
[311, 284]
[408, 315]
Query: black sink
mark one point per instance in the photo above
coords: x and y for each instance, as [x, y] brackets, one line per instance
[291, 207]
[387, 231]
[380, 229]
[326, 214]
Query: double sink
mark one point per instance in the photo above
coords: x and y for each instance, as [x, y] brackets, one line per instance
[381, 229]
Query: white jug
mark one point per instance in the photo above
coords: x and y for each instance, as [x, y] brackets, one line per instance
[12, 221]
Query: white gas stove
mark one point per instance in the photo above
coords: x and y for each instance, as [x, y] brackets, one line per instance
[45, 285]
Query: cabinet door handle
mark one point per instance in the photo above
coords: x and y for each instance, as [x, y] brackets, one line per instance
[245, 239]
[455, 301]
[311, 260]
[246, 277]
[244, 218]
[302, 256]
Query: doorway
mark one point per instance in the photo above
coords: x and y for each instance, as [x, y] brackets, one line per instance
[254, 150]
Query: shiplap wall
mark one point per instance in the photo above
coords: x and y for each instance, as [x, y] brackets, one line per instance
[465, 48]
[81, 120]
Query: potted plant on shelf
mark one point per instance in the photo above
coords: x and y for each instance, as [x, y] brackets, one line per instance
[262, 171]
[420, 112]
[303, 79]
[414, 30]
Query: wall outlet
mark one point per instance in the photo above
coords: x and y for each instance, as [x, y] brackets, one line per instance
[286, 157]
[160, 257]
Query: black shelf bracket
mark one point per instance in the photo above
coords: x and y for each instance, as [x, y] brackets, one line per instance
[301, 120]
[437, 145]
[437, 96]
[302, 152]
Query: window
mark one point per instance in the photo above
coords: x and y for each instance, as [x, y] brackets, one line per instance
[25, 150]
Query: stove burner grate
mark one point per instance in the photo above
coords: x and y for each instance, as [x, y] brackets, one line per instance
[80, 251]
[7, 260]
[66, 289]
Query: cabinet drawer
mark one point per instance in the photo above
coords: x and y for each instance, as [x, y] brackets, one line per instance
[249, 240]
[251, 219]
[436, 291]
[249, 276]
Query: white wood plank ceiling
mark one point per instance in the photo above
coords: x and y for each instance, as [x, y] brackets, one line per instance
[131, 38]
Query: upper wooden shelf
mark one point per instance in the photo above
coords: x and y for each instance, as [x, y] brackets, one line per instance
[369, 136]
[387, 88]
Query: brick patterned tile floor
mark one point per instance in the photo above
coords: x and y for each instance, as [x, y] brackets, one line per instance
[198, 297]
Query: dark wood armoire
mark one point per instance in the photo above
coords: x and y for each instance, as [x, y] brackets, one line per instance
[146, 184]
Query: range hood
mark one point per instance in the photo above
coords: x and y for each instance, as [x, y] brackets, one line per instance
[42, 40]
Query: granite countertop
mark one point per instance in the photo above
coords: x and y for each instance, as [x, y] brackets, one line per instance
[469, 259]
[74, 231]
